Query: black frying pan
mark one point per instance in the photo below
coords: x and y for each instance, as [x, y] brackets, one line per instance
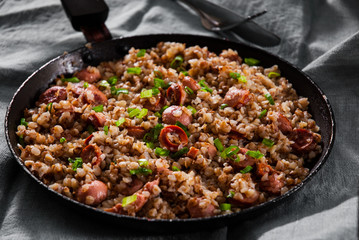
[30, 90]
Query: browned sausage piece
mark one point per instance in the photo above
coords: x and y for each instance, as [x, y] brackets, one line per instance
[94, 96]
[243, 200]
[115, 209]
[90, 74]
[97, 119]
[176, 113]
[88, 139]
[303, 140]
[193, 152]
[197, 211]
[248, 161]
[90, 152]
[263, 168]
[53, 94]
[133, 187]
[168, 140]
[92, 193]
[136, 131]
[157, 106]
[284, 124]
[187, 81]
[212, 150]
[176, 94]
[273, 185]
[236, 98]
[234, 134]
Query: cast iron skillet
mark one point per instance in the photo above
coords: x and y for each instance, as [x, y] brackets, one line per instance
[30, 90]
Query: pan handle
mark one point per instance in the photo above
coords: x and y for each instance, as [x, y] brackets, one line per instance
[88, 16]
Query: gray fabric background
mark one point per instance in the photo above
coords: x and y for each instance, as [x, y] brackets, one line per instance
[321, 37]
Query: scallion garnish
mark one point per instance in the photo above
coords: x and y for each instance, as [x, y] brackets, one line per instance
[130, 109]
[98, 108]
[176, 62]
[120, 121]
[76, 163]
[273, 74]
[242, 79]
[238, 76]
[134, 112]
[155, 91]
[230, 151]
[218, 144]
[163, 109]
[142, 113]
[116, 91]
[158, 74]
[185, 129]
[49, 107]
[150, 145]
[225, 206]
[128, 200]
[254, 154]
[23, 122]
[262, 113]
[141, 53]
[21, 140]
[230, 194]
[134, 70]
[105, 129]
[192, 109]
[141, 171]
[90, 129]
[251, 61]
[267, 142]
[224, 105]
[86, 84]
[72, 79]
[188, 90]
[269, 98]
[176, 169]
[104, 83]
[157, 114]
[179, 153]
[204, 86]
[143, 162]
[112, 80]
[246, 169]
[160, 83]
[184, 73]
[157, 130]
[161, 152]
[62, 140]
[146, 93]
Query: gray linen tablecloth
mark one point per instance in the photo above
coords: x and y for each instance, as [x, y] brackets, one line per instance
[321, 37]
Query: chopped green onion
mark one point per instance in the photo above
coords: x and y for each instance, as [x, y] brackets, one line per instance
[155, 91]
[104, 83]
[98, 108]
[141, 170]
[246, 169]
[90, 129]
[176, 62]
[230, 194]
[184, 73]
[242, 79]
[234, 75]
[269, 98]
[251, 61]
[254, 154]
[230, 151]
[158, 74]
[273, 74]
[141, 53]
[188, 90]
[163, 109]
[150, 145]
[180, 152]
[146, 93]
[160, 83]
[143, 113]
[262, 113]
[128, 200]
[116, 91]
[105, 129]
[218, 144]
[49, 107]
[23, 122]
[112, 80]
[161, 152]
[224, 105]
[72, 79]
[62, 140]
[225, 206]
[267, 142]
[157, 114]
[86, 84]
[134, 112]
[157, 130]
[77, 163]
[130, 109]
[185, 129]
[176, 169]
[120, 121]
[21, 140]
[192, 109]
[204, 86]
[143, 162]
[134, 70]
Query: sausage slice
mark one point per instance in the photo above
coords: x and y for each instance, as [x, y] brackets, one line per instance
[92, 193]
[53, 94]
